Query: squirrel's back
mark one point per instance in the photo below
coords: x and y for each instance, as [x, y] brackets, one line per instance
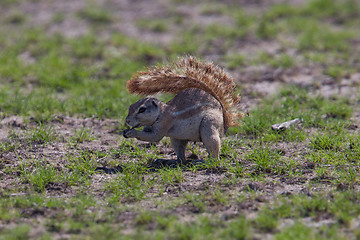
[189, 72]
[192, 100]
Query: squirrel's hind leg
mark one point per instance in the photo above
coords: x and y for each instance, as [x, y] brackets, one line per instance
[210, 136]
[179, 147]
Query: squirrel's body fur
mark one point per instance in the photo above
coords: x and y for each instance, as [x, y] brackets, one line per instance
[202, 110]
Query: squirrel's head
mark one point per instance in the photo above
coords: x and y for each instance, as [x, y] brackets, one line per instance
[144, 112]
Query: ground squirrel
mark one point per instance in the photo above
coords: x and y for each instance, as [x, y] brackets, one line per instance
[202, 110]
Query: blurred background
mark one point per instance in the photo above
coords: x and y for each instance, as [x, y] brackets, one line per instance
[73, 57]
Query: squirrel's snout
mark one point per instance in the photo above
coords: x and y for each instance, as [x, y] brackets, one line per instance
[127, 123]
[130, 123]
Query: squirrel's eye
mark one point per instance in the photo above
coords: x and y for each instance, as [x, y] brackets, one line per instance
[141, 110]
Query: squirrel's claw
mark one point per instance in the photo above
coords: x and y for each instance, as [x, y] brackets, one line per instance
[129, 133]
[125, 132]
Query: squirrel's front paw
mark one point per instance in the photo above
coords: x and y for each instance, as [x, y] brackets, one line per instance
[129, 133]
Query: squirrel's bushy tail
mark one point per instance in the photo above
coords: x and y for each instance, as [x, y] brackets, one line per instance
[189, 72]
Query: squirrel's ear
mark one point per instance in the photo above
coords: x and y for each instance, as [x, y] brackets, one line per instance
[154, 103]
